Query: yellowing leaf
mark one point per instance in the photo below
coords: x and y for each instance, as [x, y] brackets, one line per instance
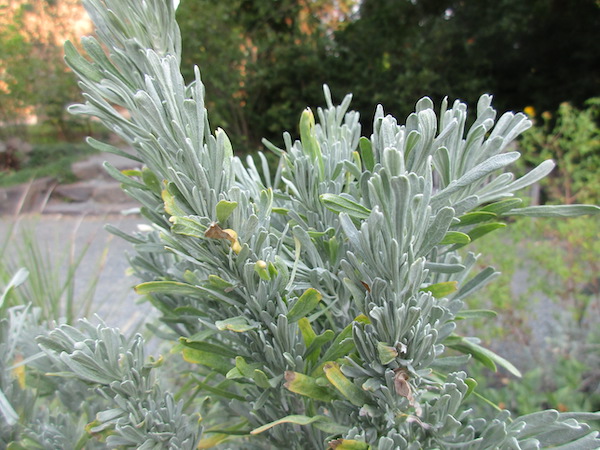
[307, 386]
[348, 444]
[296, 419]
[346, 387]
[304, 305]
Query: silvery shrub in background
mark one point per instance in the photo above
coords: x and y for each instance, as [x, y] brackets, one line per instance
[320, 305]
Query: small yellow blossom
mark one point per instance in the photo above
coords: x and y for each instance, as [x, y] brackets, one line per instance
[530, 111]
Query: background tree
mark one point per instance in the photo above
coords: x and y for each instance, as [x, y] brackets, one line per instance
[277, 54]
[273, 55]
[538, 53]
[33, 78]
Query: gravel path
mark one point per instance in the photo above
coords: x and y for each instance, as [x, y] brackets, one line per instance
[114, 300]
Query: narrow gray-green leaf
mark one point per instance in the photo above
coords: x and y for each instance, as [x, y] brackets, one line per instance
[554, 211]
[341, 204]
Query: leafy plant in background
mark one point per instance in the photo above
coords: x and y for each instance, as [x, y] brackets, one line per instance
[51, 276]
[318, 306]
[557, 265]
[572, 137]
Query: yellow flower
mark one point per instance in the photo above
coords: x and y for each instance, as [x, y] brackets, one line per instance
[530, 111]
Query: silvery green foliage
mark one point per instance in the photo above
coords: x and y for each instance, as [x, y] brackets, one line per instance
[26, 396]
[139, 414]
[97, 376]
[317, 303]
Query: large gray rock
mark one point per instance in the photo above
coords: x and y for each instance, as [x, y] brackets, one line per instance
[92, 168]
[81, 191]
[110, 193]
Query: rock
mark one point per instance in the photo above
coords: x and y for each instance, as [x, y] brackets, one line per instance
[76, 192]
[110, 193]
[92, 168]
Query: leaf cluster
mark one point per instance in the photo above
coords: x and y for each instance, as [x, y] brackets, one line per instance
[319, 304]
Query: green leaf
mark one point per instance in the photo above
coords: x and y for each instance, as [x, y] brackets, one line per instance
[443, 289]
[179, 288]
[238, 324]
[132, 172]
[475, 217]
[251, 371]
[346, 387]
[554, 211]
[309, 142]
[482, 230]
[151, 180]
[304, 305]
[386, 353]
[122, 178]
[170, 202]
[168, 287]
[339, 204]
[261, 268]
[224, 393]
[208, 347]
[487, 357]
[295, 419]
[219, 283]
[476, 314]
[306, 386]
[247, 370]
[342, 345]
[314, 349]
[208, 359]
[187, 226]
[261, 379]
[366, 151]
[224, 210]
[472, 384]
[455, 237]
[213, 440]
[308, 334]
[502, 206]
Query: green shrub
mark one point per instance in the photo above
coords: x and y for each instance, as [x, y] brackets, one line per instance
[38, 411]
[555, 270]
[319, 306]
[572, 138]
[51, 160]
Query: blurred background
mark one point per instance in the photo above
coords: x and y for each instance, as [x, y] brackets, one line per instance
[264, 61]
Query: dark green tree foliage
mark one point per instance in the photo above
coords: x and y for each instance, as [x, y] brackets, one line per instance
[260, 64]
[539, 53]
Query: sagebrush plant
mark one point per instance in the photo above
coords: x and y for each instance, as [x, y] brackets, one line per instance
[319, 305]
